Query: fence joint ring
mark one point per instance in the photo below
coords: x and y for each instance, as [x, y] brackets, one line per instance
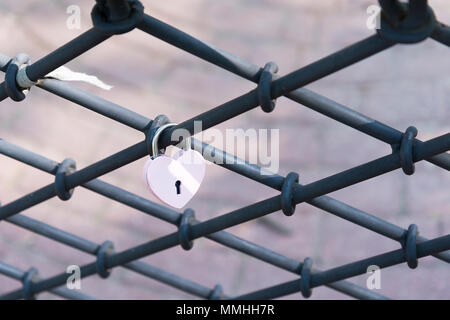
[406, 150]
[216, 293]
[65, 168]
[399, 22]
[100, 21]
[263, 90]
[287, 203]
[151, 129]
[409, 244]
[16, 69]
[28, 279]
[305, 280]
[105, 249]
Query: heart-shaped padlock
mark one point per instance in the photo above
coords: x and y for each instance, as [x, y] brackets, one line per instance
[174, 180]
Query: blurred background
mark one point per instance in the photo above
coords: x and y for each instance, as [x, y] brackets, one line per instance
[406, 85]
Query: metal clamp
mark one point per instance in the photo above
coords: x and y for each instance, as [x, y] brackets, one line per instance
[12, 89]
[265, 81]
[153, 131]
[216, 293]
[409, 244]
[305, 281]
[287, 203]
[105, 21]
[66, 167]
[28, 279]
[406, 150]
[404, 23]
[155, 149]
[105, 249]
[187, 218]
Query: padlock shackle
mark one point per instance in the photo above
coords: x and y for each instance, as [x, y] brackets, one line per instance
[156, 137]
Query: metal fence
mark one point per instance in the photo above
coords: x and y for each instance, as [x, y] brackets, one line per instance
[400, 23]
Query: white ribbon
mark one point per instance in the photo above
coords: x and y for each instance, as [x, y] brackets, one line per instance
[64, 74]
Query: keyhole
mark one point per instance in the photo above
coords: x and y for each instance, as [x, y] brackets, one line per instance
[178, 185]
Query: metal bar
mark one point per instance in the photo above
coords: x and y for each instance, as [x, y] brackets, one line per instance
[320, 187]
[264, 207]
[11, 271]
[240, 67]
[66, 53]
[88, 100]
[253, 211]
[51, 283]
[347, 271]
[283, 85]
[324, 202]
[96, 104]
[252, 72]
[330, 184]
[118, 9]
[139, 122]
[92, 248]
[115, 109]
[61, 56]
[384, 260]
[18, 274]
[290, 85]
[173, 217]
[90, 172]
[441, 34]
[237, 165]
[53, 233]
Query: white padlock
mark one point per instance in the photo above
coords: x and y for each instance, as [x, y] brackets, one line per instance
[174, 180]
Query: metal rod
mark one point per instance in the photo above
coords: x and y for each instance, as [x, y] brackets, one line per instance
[441, 34]
[346, 271]
[384, 260]
[92, 248]
[168, 215]
[252, 72]
[61, 56]
[290, 85]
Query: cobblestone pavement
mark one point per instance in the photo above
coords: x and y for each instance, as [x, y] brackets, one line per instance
[406, 85]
